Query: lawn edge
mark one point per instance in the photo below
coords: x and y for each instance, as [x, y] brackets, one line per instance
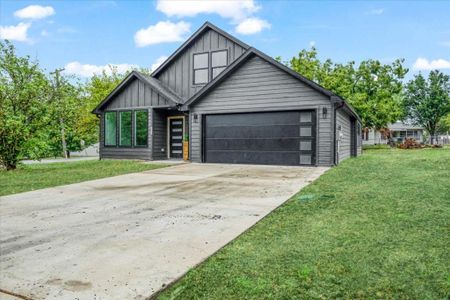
[158, 292]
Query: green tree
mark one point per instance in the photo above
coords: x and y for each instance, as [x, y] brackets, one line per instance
[23, 97]
[95, 90]
[427, 101]
[372, 88]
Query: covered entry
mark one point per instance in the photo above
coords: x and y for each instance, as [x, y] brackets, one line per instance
[277, 138]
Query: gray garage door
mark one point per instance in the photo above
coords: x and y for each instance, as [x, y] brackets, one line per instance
[273, 138]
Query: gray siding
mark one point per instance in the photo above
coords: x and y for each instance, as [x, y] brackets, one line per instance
[178, 74]
[159, 135]
[259, 86]
[343, 120]
[137, 94]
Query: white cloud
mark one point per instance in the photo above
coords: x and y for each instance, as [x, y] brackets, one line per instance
[87, 70]
[35, 12]
[424, 64]
[158, 62]
[251, 26]
[312, 43]
[161, 32]
[15, 33]
[228, 9]
[376, 11]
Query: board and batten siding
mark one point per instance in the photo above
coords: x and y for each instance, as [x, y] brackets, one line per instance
[343, 120]
[259, 86]
[136, 95]
[178, 75]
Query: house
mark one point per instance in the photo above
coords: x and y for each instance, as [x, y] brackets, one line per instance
[397, 132]
[234, 103]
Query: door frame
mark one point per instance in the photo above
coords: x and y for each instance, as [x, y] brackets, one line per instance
[169, 133]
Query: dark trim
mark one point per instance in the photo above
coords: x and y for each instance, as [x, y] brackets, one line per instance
[152, 82]
[337, 106]
[194, 69]
[197, 33]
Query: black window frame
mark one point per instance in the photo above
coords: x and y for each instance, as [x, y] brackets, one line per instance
[120, 129]
[198, 69]
[135, 128]
[104, 129]
[221, 66]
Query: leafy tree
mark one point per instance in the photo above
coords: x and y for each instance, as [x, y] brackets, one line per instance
[372, 88]
[23, 92]
[94, 91]
[427, 101]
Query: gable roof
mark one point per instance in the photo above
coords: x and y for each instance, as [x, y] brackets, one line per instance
[152, 82]
[200, 31]
[254, 52]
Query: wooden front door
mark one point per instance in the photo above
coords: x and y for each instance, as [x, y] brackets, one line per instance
[176, 125]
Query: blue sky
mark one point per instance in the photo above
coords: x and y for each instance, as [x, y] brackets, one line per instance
[84, 36]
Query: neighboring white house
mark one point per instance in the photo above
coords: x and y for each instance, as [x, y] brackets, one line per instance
[398, 131]
[89, 151]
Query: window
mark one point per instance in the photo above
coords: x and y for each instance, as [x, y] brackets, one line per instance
[140, 127]
[110, 128]
[125, 128]
[218, 62]
[201, 66]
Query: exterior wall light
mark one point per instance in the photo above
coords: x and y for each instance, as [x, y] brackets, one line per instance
[324, 112]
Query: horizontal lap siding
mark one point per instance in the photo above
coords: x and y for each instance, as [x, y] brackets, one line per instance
[259, 86]
[343, 120]
[178, 74]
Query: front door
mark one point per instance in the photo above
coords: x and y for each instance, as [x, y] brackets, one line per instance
[176, 137]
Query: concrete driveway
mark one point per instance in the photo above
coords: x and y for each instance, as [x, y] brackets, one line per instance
[125, 237]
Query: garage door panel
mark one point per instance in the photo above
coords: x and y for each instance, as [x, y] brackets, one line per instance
[278, 138]
[261, 118]
[268, 144]
[263, 131]
[254, 157]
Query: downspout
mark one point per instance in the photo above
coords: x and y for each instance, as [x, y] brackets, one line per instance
[338, 104]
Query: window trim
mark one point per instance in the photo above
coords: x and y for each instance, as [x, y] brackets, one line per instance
[198, 69]
[135, 131]
[221, 66]
[104, 130]
[120, 129]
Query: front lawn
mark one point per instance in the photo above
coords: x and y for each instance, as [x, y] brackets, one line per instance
[38, 176]
[375, 227]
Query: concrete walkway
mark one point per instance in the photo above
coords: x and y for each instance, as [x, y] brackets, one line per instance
[125, 237]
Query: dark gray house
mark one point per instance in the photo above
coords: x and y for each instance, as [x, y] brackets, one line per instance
[234, 103]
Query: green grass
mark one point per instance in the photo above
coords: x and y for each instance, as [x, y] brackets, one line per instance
[375, 227]
[37, 176]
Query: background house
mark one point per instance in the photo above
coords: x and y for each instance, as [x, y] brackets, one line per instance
[397, 131]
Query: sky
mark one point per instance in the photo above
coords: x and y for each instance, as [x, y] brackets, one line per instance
[84, 37]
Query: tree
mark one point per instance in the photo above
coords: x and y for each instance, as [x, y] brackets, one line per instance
[427, 102]
[372, 88]
[95, 91]
[23, 90]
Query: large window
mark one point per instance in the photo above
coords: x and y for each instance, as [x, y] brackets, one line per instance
[140, 127]
[110, 128]
[125, 128]
[201, 68]
[218, 62]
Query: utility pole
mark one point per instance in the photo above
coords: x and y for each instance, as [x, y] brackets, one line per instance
[57, 94]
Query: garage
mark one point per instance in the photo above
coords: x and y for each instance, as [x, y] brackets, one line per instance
[273, 138]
